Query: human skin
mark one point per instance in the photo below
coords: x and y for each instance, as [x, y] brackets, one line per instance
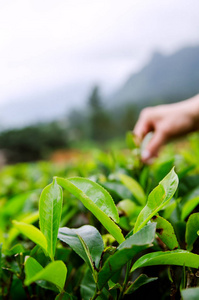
[167, 122]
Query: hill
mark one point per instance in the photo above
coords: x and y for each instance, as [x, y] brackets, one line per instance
[163, 79]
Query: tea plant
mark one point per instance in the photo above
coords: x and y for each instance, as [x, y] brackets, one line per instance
[110, 248]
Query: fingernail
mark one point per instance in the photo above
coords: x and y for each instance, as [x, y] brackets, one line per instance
[145, 154]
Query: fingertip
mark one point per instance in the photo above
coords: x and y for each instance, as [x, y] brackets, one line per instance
[145, 155]
[155, 144]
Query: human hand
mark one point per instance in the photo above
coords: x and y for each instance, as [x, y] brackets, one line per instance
[166, 121]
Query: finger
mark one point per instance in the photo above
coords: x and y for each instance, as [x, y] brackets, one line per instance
[153, 146]
[142, 127]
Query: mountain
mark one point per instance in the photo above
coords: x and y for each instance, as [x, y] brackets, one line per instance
[164, 79]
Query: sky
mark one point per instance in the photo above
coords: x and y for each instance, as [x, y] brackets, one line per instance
[49, 44]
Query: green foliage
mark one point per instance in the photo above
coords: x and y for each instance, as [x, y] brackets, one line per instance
[102, 259]
[191, 230]
[33, 142]
[134, 187]
[190, 294]
[140, 281]
[86, 241]
[175, 257]
[55, 273]
[159, 197]
[50, 204]
[32, 233]
[125, 252]
[97, 200]
[166, 233]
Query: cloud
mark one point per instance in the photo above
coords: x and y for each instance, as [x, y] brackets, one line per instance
[52, 43]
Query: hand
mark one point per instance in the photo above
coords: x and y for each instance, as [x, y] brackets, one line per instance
[167, 121]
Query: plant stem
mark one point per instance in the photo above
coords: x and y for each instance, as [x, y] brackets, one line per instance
[128, 267]
[96, 294]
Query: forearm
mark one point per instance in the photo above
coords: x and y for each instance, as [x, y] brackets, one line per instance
[191, 107]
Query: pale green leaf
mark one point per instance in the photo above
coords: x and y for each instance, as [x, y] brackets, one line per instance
[97, 200]
[157, 199]
[166, 233]
[192, 227]
[140, 281]
[32, 232]
[50, 208]
[175, 257]
[13, 232]
[55, 272]
[134, 187]
[190, 294]
[86, 241]
[188, 207]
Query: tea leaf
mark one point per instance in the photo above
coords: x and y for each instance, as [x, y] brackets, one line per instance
[88, 287]
[166, 233]
[125, 252]
[188, 207]
[140, 281]
[175, 257]
[157, 199]
[134, 187]
[191, 230]
[13, 232]
[1, 260]
[86, 241]
[190, 294]
[55, 272]
[33, 233]
[50, 207]
[97, 200]
[65, 296]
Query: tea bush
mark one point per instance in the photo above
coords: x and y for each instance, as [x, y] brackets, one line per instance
[106, 227]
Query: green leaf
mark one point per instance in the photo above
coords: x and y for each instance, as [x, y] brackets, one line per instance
[125, 252]
[130, 140]
[64, 296]
[96, 193]
[190, 294]
[50, 208]
[191, 230]
[1, 260]
[175, 257]
[16, 249]
[166, 233]
[114, 286]
[134, 187]
[55, 272]
[157, 199]
[97, 200]
[128, 208]
[117, 189]
[15, 204]
[184, 279]
[13, 232]
[140, 281]
[33, 233]
[86, 241]
[188, 207]
[88, 286]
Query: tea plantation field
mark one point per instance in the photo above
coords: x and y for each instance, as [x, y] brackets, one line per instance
[104, 226]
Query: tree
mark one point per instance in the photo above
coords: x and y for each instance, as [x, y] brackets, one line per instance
[100, 123]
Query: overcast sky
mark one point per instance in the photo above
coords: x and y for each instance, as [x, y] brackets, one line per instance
[45, 44]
